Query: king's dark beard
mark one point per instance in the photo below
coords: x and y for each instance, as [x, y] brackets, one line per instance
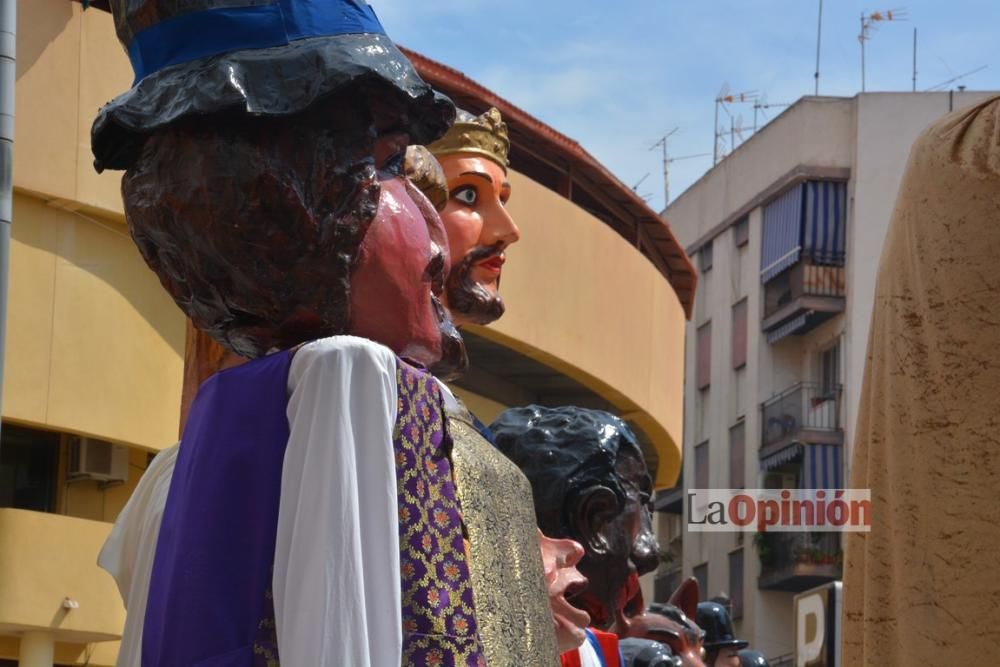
[469, 298]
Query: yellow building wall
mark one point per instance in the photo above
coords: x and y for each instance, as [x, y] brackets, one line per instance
[40, 566]
[69, 63]
[94, 344]
[583, 301]
[100, 654]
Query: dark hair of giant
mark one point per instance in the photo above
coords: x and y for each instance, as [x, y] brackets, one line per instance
[564, 452]
[253, 224]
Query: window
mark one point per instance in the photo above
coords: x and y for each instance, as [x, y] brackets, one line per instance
[737, 456]
[29, 464]
[736, 583]
[739, 352]
[705, 256]
[703, 373]
[700, 573]
[741, 231]
[829, 368]
[701, 466]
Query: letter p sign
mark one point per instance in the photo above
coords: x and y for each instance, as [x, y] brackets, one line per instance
[817, 631]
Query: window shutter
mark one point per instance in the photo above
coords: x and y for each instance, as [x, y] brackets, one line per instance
[703, 372]
[737, 456]
[740, 334]
[701, 466]
[736, 583]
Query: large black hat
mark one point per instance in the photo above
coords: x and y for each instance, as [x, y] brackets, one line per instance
[749, 658]
[714, 620]
[258, 57]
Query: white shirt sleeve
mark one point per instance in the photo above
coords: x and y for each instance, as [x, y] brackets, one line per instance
[130, 549]
[336, 577]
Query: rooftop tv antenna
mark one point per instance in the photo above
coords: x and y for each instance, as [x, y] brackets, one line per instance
[666, 189]
[761, 106]
[666, 162]
[635, 188]
[944, 84]
[735, 131]
[722, 100]
[870, 23]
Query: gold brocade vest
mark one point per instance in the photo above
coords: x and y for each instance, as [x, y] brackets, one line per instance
[512, 604]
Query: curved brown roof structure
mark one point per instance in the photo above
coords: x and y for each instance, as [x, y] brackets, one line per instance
[561, 164]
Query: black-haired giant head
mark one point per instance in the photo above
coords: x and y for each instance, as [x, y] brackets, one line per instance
[590, 484]
[264, 179]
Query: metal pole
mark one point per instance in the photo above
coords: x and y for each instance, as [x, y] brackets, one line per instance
[666, 175]
[819, 34]
[914, 60]
[8, 75]
[715, 135]
[862, 53]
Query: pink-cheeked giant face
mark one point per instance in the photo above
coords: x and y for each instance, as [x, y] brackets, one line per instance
[398, 278]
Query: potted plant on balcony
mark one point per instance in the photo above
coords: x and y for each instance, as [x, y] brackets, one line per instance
[764, 544]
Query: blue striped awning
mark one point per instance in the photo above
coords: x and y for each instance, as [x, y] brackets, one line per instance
[821, 467]
[824, 228]
[780, 457]
[787, 329]
[782, 242]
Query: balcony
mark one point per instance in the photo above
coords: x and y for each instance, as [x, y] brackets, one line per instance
[803, 413]
[801, 298]
[45, 558]
[796, 562]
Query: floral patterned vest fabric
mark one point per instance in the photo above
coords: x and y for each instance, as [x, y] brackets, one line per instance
[439, 623]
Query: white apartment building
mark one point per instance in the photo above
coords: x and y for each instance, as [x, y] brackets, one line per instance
[786, 231]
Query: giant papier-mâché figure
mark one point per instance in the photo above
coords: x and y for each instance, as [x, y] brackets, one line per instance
[310, 514]
[464, 174]
[591, 484]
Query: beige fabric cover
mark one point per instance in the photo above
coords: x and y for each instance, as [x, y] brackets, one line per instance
[923, 588]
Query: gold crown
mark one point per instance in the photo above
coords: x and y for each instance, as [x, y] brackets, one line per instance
[485, 135]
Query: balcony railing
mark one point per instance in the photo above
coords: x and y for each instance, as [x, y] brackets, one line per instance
[798, 561]
[802, 298]
[805, 412]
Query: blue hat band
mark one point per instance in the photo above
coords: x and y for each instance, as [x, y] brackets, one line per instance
[212, 32]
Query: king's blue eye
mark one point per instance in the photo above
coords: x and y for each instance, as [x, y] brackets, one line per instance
[466, 194]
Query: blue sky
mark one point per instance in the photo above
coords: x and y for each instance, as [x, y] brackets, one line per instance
[616, 76]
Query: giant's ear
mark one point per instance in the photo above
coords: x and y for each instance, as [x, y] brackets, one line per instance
[686, 597]
[595, 507]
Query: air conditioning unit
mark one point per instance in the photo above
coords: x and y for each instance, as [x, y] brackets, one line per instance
[779, 480]
[99, 460]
